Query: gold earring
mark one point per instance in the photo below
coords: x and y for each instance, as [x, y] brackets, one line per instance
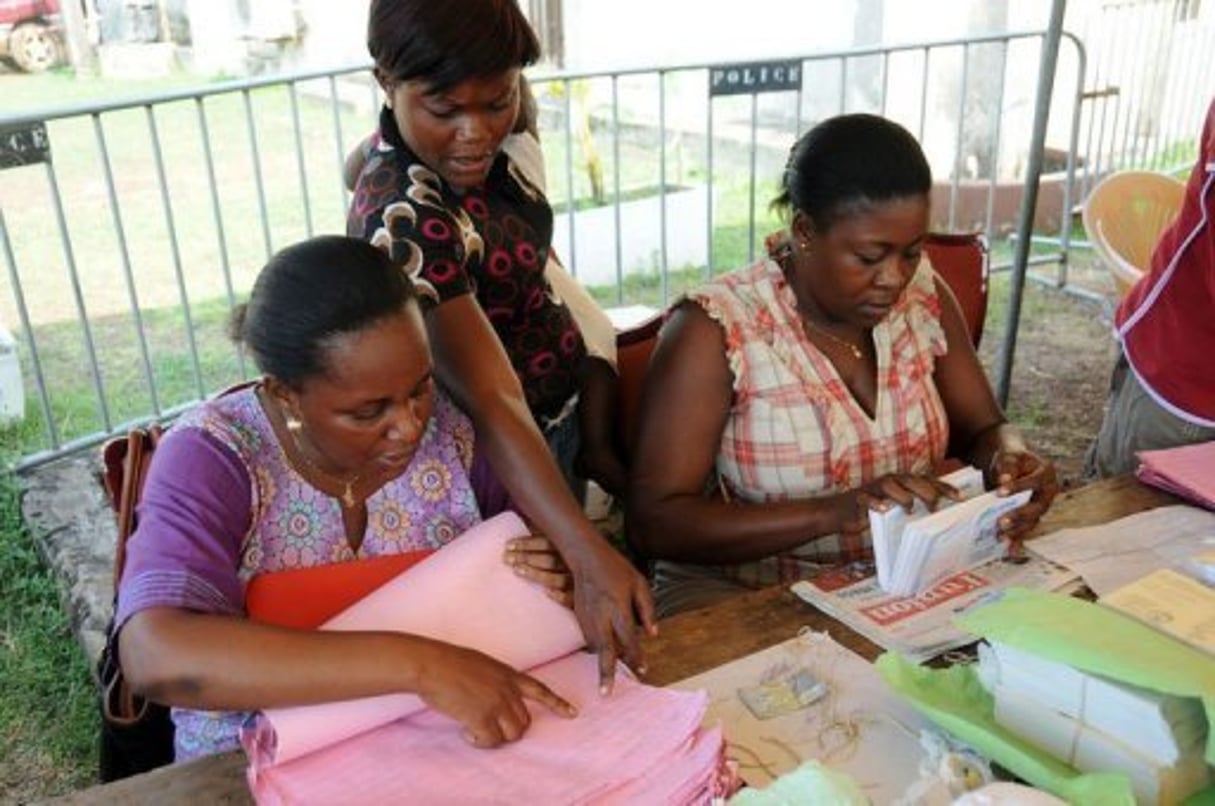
[294, 425]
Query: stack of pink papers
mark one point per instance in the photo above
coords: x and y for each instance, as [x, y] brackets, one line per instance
[1188, 471]
[641, 744]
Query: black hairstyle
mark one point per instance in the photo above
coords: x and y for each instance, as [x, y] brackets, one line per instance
[445, 42]
[310, 293]
[848, 162]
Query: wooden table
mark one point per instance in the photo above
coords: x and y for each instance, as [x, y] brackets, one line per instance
[687, 644]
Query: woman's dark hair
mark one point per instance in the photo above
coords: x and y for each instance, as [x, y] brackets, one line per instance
[308, 294]
[850, 161]
[445, 42]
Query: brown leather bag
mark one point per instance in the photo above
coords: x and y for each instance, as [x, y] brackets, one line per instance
[136, 735]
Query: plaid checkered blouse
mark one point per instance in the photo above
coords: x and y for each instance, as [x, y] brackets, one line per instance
[795, 430]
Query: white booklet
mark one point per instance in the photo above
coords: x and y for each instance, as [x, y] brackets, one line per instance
[888, 527]
[959, 538]
[912, 551]
[1162, 728]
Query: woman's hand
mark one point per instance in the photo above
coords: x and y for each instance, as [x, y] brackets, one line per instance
[610, 600]
[484, 695]
[903, 489]
[536, 559]
[1012, 471]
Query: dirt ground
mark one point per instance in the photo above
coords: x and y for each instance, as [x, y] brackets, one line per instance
[1063, 357]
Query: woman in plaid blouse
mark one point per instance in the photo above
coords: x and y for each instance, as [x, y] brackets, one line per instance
[835, 375]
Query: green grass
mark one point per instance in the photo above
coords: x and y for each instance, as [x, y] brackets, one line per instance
[48, 716]
[61, 344]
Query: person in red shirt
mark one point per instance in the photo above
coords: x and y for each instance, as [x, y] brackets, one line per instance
[1162, 393]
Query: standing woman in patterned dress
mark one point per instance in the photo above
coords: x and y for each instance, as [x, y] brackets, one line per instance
[439, 194]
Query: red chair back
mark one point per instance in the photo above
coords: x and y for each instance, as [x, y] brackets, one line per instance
[961, 261]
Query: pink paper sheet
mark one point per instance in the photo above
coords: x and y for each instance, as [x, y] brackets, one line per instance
[1188, 471]
[642, 744]
[464, 594]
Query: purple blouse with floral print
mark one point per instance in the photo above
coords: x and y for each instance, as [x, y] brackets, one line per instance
[223, 504]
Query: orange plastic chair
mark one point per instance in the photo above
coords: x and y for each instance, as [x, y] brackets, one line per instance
[1124, 216]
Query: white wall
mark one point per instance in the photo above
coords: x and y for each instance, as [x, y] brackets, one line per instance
[634, 33]
[337, 32]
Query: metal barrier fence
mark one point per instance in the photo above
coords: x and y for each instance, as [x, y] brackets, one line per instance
[129, 229]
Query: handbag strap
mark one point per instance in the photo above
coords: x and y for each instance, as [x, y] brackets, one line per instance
[133, 455]
[126, 463]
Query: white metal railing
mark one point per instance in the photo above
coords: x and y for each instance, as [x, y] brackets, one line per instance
[129, 229]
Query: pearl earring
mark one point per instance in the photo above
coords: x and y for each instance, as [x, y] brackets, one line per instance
[294, 425]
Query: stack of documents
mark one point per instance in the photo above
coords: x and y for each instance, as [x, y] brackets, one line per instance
[1188, 471]
[1173, 603]
[1095, 724]
[912, 551]
[639, 745]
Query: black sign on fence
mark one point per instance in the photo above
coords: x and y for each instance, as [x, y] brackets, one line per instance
[752, 77]
[24, 145]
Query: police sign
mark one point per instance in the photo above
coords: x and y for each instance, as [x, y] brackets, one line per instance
[753, 77]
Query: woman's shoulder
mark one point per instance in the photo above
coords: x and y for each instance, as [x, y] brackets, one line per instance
[452, 426]
[525, 160]
[447, 414]
[741, 293]
[921, 294]
[234, 419]
[916, 318]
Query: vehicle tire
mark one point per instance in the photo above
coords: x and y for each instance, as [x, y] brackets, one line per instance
[35, 47]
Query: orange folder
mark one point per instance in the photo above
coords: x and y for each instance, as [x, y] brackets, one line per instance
[305, 598]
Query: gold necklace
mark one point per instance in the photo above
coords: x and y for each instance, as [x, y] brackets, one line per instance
[347, 496]
[855, 349]
[784, 257]
[293, 430]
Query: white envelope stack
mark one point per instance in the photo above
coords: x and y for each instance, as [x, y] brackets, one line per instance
[1096, 725]
[911, 551]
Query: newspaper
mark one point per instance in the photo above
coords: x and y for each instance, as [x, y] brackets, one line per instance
[920, 627]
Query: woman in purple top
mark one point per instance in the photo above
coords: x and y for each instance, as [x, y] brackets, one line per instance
[345, 449]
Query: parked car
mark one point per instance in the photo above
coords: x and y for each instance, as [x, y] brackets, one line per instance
[31, 34]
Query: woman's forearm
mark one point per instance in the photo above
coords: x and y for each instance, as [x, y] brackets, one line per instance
[692, 528]
[473, 366]
[599, 456]
[996, 438]
[194, 660]
[522, 461]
